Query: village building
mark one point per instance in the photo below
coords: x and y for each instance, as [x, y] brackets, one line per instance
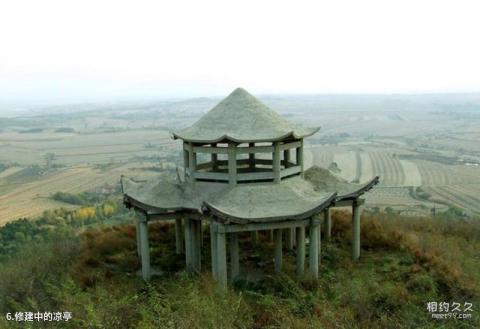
[243, 172]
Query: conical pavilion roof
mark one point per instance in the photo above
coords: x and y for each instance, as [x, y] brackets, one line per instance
[241, 118]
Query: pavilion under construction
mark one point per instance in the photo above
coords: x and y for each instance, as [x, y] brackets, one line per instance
[243, 171]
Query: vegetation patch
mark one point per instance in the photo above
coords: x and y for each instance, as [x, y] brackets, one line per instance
[405, 264]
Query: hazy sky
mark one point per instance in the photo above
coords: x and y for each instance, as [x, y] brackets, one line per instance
[84, 50]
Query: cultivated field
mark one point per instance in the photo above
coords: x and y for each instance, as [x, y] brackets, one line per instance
[31, 198]
[428, 142]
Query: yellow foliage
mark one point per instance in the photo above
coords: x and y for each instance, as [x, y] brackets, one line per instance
[108, 209]
[84, 213]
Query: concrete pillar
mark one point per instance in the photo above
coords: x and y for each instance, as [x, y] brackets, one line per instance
[234, 255]
[289, 234]
[286, 157]
[185, 162]
[328, 223]
[278, 250]
[356, 211]
[300, 233]
[214, 158]
[319, 241]
[251, 157]
[192, 161]
[254, 237]
[197, 246]
[221, 257]
[232, 164]
[276, 162]
[139, 250]
[300, 156]
[189, 237]
[179, 236]
[270, 235]
[313, 250]
[213, 250]
[294, 236]
[145, 248]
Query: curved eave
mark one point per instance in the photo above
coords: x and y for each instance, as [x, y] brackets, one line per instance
[217, 212]
[252, 140]
[357, 193]
[131, 202]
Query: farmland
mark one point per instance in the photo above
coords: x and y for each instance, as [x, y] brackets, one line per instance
[452, 185]
[31, 198]
[414, 143]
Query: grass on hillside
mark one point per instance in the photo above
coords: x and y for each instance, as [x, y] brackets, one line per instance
[405, 263]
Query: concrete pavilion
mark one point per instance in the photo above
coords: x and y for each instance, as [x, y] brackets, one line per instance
[243, 172]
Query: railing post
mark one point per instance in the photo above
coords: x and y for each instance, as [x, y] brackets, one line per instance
[276, 162]
[232, 164]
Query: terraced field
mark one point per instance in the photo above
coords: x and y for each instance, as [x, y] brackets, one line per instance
[388, 168]
[322, 155]
[412, 174]
[74, 149]
[437, 174]
[347, 163]
[465, 196]
[456, 185]
[399, 198]
[31, 199]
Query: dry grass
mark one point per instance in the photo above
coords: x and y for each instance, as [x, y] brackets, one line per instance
[441, 247]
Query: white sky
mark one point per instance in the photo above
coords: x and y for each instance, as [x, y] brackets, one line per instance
[82, 50]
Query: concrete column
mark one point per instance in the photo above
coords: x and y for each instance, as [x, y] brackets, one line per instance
[300, 233]
[294, 235]
[300, 156]
[319, 241]
[278, 250]
[189, 236]
[139, 250]
[276, 162]
[328, 223]
[313, 252]
[145, 248]
[270, 235]
[214, 158]
[213, 246]
[254, 237]
[179, 236]
[221, 257]
[192, 161]
[185, 161]
[234, 255]
[201, 233]
[286, 157]
[289, 234]
[197, 246]
[232, 164]
[251, 157]
[356, 211]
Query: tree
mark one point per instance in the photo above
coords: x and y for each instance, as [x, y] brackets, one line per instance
[49, 157]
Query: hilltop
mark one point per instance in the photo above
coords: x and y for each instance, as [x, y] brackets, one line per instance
[405, 263]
